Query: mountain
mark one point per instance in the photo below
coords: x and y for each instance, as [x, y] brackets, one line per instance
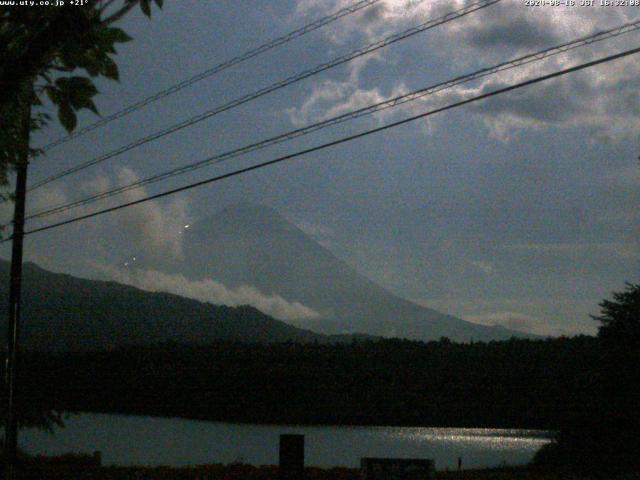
[61, 312]
[254, 245]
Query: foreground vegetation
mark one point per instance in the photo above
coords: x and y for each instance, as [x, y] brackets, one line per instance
[518, 383]
[584, 387]
[40, 468]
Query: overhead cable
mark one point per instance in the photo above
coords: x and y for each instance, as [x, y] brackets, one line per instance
[361, 112]
[315, 25]
[337, 142]
[276, 86]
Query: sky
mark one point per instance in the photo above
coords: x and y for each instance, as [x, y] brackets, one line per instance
[520, 210]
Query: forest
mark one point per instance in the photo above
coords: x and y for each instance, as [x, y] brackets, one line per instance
[518, 383]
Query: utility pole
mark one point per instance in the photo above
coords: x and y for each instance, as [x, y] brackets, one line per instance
[13, 317]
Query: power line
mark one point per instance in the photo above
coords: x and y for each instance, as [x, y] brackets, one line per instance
[338, 142]
[317, 24]
[368, 110]
[276, 86]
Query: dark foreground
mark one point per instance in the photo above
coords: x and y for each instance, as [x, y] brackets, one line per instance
[512, 384]
[248, 472]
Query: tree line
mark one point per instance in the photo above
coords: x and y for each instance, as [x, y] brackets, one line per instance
[516, 383]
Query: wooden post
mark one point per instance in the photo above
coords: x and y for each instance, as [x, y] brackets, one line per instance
[13, 317]
[291, 457]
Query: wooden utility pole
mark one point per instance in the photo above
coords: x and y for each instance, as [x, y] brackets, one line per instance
[13, 317]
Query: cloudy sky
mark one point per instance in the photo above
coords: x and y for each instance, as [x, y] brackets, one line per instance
[521, 210]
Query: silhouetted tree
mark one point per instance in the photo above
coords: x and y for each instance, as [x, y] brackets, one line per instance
[620, 317]
[43, 51]
[54, 53]
[603, 434]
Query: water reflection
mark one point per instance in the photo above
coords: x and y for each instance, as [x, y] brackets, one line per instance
[496, 438]
[126, 440]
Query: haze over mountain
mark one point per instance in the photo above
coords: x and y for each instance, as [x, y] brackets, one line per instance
[253, 245]
[62, 312]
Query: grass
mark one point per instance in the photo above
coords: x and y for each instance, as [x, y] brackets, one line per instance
[84, 467]
[57, 471]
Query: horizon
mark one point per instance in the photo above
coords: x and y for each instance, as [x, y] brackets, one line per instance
[519, 211]
[134, 271]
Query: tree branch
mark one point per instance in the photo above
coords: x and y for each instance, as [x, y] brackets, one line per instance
[106, 5]
[121, 12]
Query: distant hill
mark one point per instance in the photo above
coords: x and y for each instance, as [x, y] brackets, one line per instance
[254, 245]
[61, 312]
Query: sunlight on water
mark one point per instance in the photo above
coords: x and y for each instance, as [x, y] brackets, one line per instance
[127, 440]
[489, 438]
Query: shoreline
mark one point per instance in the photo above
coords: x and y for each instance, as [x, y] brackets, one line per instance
[535, 432]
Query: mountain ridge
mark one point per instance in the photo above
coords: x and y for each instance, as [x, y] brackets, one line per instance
[63, 312]
[250, 244]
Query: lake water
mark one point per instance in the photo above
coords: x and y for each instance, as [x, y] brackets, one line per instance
[130, 440]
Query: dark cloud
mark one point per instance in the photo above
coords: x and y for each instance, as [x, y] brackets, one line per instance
[550, 103]
[373, 14]
[504, 31]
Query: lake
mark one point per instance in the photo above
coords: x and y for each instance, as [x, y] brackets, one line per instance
[132, 440]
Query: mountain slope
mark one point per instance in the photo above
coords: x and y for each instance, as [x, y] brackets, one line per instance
[254, 245]
[62, 312]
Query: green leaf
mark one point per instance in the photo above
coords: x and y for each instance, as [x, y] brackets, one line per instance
[53, 93]
[76, 88]
[159, 3]
[110, 69]
[67, 117]
[74, 92]
[91, 65]
[71, 58]
[145, 5]
[91, 106]
[115, 35]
